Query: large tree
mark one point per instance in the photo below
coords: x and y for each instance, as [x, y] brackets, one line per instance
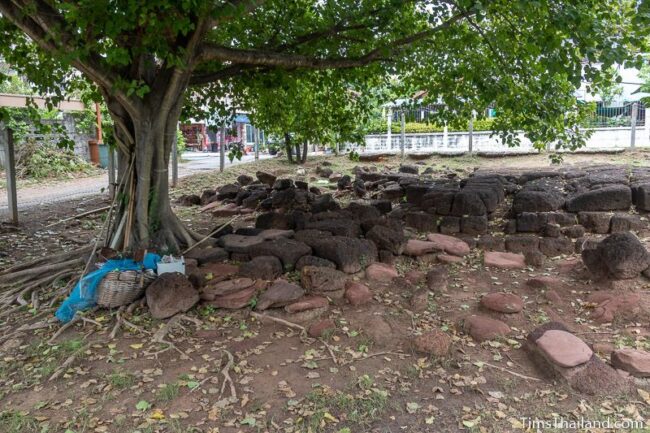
[150, 59]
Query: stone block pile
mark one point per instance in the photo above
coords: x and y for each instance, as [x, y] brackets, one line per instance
[307, 251]
[535, 214]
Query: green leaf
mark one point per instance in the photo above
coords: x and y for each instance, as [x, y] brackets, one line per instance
[249, 421]
[412, 407]
[143, 405]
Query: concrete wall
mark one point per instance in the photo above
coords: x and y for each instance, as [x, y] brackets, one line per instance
[80, 138]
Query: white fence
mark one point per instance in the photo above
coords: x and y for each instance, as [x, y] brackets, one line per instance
[458, 142]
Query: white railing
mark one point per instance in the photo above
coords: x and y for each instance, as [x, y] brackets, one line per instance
[604, 138]
[482, 141]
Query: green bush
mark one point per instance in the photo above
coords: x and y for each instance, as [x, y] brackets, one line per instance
[421, 128]
[38, 161]
[181, 145]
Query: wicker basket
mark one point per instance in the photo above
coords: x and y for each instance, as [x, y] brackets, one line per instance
[119, 288]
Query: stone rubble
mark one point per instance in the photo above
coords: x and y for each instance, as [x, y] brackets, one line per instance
[307, 252]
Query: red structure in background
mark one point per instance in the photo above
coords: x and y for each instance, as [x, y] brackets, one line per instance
[199, 137]
[196, 136]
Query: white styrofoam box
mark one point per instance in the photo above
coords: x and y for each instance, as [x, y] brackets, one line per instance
[178, 265]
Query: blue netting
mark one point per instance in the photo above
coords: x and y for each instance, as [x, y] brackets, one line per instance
[83, 295]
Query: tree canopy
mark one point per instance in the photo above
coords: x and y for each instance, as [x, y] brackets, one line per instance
[316, 107]
[150, 60]
[522, 56]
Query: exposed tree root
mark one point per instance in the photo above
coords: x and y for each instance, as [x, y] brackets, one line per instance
[24, 286]
[372, 355]
[64, 291]
[303, 332]
[50, 259]
[81, 215]
[263, 317]
[118, 322]
[68, 362]
[77, 317]
[160, 335]
[26, 275]
[43, 282]
[121, 320]
[329, 348]
[92, 321]
[10, 311]
[28, 327]
[514, 373]
[227, 380]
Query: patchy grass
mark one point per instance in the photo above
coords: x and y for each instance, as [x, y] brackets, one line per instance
[168, 392]
[359, 405]
[42, 360]
[121, 380]
[18, 422]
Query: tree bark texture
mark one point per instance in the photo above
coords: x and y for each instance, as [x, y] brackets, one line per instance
[287, 147]
[298, 157]
[145, 137]
[305, 148]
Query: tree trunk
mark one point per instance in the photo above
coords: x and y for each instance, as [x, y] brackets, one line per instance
[287, 146]
[144, 217]
[305, 147]
[298, 157]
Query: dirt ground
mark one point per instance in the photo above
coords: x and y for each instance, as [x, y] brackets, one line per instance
[364, 377]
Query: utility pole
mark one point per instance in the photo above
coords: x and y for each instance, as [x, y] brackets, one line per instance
[635, 113]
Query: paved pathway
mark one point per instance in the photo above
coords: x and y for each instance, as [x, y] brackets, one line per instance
[55, 191]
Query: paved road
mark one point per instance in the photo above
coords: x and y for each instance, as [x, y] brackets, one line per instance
[55, 191]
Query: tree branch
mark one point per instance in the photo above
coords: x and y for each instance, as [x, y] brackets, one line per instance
[248, 6]
[335, 30]
[40, 27]
[235, 56]
[199, 79]
[181, 75]
[282, 60]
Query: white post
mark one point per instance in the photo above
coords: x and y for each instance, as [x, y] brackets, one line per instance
[256, 137]
[646, 128]
[402, 142]
[635, 111]
[389, 120]
[445, 137]
[471, 134]
[222, 149]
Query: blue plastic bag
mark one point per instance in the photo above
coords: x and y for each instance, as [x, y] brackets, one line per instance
[83, 295]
